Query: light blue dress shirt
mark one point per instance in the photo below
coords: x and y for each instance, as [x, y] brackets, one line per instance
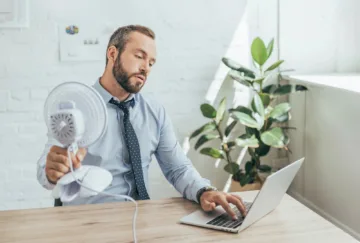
[156, 137]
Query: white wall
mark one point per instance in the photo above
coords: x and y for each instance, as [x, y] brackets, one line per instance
[328, 136]
[320, 36]
[192, 36]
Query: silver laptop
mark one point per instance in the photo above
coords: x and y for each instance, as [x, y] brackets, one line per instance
[266, 201]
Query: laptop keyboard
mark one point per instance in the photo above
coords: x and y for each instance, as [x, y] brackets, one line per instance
[224, 220]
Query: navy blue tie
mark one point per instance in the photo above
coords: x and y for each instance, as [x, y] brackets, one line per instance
[133, 147]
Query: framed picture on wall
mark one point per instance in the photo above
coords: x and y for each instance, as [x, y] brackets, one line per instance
[14, 14]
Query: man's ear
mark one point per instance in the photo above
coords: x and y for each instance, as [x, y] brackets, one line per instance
[112, 53]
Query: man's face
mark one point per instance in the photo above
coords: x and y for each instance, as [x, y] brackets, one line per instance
[133, 66]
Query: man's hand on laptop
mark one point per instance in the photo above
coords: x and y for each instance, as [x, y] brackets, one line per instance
[210, 199]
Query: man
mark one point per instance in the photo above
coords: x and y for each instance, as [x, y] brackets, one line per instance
[138, 128]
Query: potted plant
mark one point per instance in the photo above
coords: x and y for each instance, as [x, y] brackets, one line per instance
[264, 119]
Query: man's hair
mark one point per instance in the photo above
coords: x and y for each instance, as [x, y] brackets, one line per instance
[121, 36]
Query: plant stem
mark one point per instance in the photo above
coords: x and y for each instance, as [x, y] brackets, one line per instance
[224, 145]
[254, 157]
[265, 126]
[257, 165]
[261, 83]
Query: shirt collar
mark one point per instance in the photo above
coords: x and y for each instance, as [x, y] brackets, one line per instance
[107, 96]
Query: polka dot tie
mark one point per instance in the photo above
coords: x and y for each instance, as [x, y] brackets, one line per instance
[133, 147]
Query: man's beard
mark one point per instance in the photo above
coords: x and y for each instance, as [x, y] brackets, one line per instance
[123, 78]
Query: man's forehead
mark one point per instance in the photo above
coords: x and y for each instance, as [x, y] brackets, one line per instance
[140, 41]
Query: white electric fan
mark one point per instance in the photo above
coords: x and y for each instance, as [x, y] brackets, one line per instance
[76, 116]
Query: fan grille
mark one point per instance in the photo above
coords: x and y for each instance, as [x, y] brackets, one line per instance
[68, 130]
[87, 100]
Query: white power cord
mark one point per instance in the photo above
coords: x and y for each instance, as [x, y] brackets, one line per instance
[73, 148]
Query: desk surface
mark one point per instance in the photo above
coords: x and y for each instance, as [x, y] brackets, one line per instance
[158, 221]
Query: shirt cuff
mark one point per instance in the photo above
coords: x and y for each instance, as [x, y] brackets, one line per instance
[203, 183]
[45, 182]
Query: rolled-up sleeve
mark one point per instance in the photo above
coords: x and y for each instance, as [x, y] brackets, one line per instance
[174, 163]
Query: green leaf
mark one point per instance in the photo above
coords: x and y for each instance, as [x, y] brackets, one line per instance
[245, 180]
[221, 111]
[230, 144]
[275, 137]
[300, 88]
[232, 168]
[260, 120]
[245, 119]
[242, 109]
[265, 168]
[283, 89]
[263, 149]
[258, 51]
[252, 131]
[284, 118]
[257, 83]
[258, 105]
[212, 152]
[249, 167]
[252, 153]
[230, 128]
[205, 128]
[246, 140]
[270, 47]
[259, 80]
[247, 72]
[269, 89]
[265, 99]
[239, 78]
[231, 63]
[208, 111]
[256, 87]
[267, 125]
[279, 110]
[268, 111]
[236, 66]
[205, 138]
[275, 65]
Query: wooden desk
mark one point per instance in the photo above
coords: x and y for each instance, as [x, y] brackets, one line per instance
[158, 221]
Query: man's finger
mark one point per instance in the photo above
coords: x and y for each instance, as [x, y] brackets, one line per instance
[75, 161]
[53, 175]
[223, 202]
[58, 167]
[81, 154]
[237, 202]
[59, 150]
[237, 196]
[58, 158]
[208, 206]
[77, 165]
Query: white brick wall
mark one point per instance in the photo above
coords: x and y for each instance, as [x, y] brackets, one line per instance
[4, 100]
[320, 36]
[192, 36]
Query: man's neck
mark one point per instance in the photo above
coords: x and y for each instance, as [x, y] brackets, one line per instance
[111, 85]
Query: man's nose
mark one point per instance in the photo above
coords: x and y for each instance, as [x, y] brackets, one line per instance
[145, 69]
